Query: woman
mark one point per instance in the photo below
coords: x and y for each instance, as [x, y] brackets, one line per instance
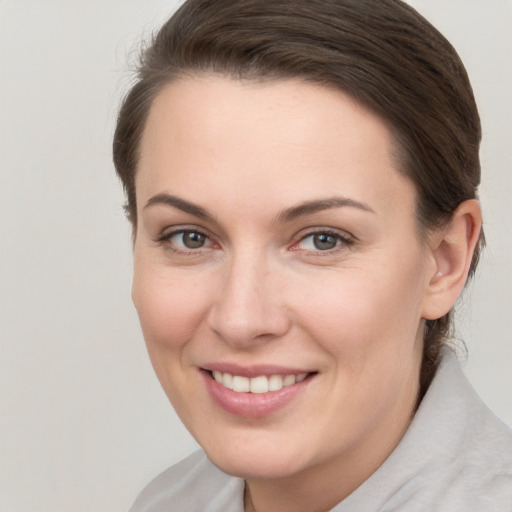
[301, 180]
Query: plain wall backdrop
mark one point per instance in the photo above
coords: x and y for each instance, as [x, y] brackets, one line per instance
[83, 422]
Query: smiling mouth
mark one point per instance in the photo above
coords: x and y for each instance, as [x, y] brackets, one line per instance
[261, 384]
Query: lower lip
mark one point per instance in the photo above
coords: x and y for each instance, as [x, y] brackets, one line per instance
[252, 405]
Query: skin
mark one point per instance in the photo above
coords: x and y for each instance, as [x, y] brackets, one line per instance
[260, 292]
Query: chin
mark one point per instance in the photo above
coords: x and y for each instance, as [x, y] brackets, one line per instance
[256, 463]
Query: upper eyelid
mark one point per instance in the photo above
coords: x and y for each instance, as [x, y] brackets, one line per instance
[345, 239]
[175, 230]
[310, 231]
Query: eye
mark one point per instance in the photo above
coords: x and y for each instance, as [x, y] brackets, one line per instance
[189, 239]
[186, 240]
[322, 241]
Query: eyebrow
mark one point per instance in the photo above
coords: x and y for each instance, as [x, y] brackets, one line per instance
[287, 215]
[180, 204]
[318, 205]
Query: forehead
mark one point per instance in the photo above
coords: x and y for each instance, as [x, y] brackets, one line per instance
[218, 137]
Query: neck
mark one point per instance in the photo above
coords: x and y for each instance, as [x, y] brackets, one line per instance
[248, 504]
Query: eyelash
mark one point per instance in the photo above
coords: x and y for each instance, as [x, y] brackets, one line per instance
[342, 241]
[166, 239]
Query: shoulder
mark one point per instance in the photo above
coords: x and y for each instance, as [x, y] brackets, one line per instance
[479, 475]
[194, 484]
[456, 456]
[469, 464]
[472, 465]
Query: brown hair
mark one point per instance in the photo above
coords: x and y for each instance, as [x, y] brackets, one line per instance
[381, 52]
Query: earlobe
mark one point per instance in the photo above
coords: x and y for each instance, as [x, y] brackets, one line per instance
[452, 250]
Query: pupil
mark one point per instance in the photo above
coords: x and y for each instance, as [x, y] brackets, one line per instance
[193, 240]
[324, 241]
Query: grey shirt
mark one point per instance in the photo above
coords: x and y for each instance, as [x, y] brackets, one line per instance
[456, 456]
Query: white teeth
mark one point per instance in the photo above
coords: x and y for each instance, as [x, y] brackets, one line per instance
[275, 383]
[227, 380]
[241, 384]
[289, 380]
[261, 384]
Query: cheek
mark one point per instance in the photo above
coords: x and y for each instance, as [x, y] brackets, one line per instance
[170, 311]
[365, 311]
[169, 308]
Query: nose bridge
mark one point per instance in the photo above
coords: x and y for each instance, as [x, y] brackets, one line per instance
[249, 304]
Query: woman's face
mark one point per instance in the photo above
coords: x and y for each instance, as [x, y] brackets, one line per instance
[277, 246]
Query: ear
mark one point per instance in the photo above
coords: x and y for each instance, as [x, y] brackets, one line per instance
[452, 251]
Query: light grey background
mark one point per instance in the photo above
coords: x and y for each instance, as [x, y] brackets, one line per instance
[83, 422]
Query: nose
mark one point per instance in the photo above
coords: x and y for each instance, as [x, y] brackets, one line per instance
[249, 306]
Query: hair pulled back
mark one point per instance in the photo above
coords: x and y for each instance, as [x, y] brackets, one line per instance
[381, 52]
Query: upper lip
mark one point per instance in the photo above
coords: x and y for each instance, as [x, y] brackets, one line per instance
[256, 370]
